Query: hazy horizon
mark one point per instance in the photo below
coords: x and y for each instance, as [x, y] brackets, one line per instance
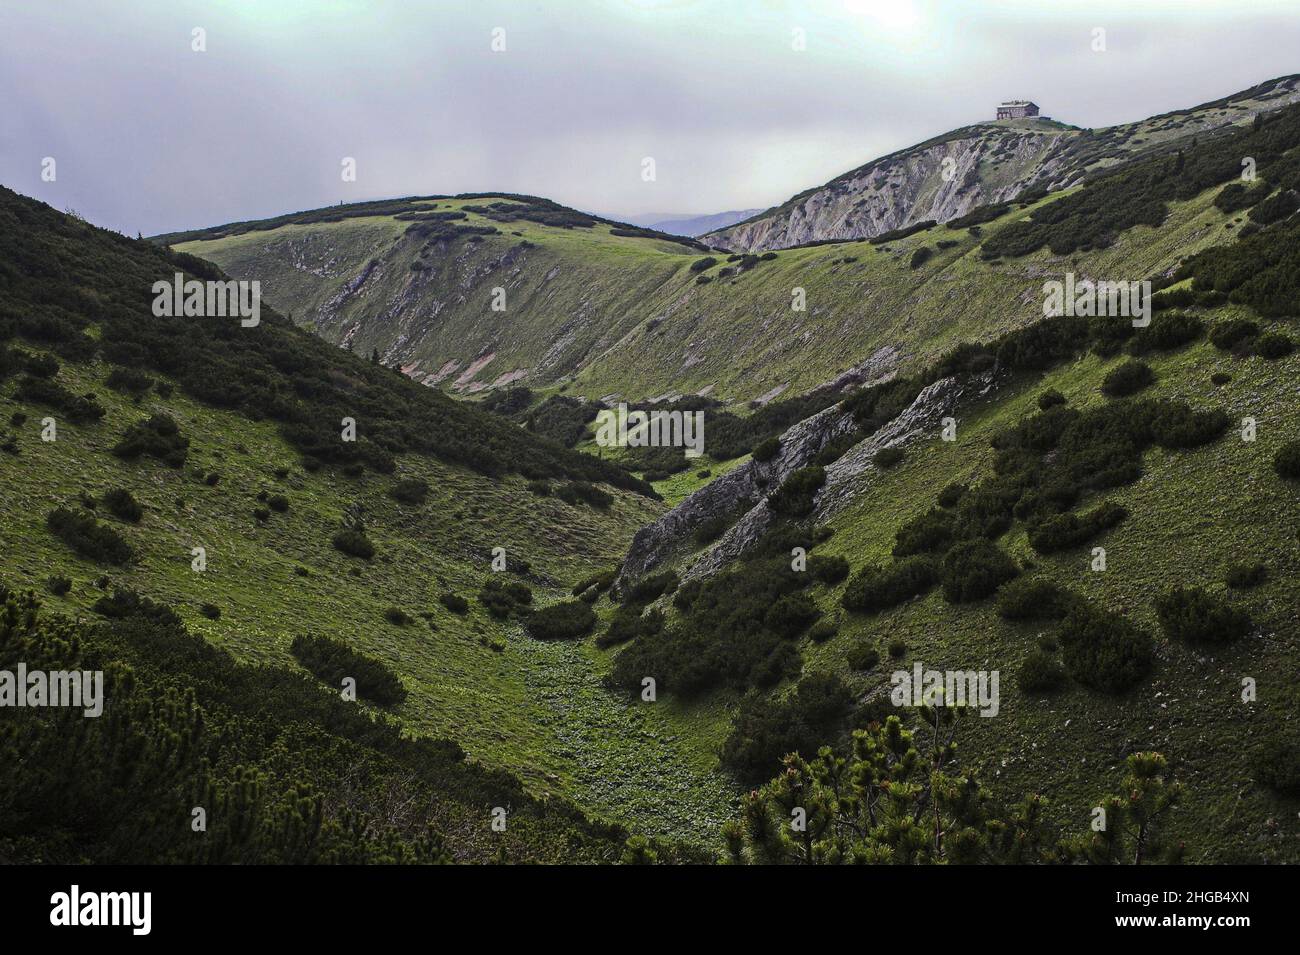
[259, 122]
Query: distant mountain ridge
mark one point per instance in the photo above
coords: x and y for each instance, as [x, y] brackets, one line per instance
[689, 225]
[985, 163]
[606, 310]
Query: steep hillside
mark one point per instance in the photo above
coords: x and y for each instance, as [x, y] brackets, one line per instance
[947, 177]
[948, 483]
[176, 434]
[1101, 515]
[601, 311]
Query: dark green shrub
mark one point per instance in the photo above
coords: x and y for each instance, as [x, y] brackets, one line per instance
[1227, 335]
[581, 492]
[1175, 425]
[651, 588]
[354, 542]
[278, 503]
[862, 656]
[1275, 208]
[159, 437]
[1274, 345]
[1128, 379]
[1237, 196]
[764, 731]
[41, 365]
[503, 599]
[455, 603]
[952, 494]
[262, 514]
[931, 532]
[1276, 761]
[540, 488]
[1193, 616]
[720, 635]
[211, 611]
[598, 582]
[128, 381]
[1050, 399]
[125, 603]
[1245, 576]
[629, 624]
[767, 449]
[1103, 651]
[1040, 673]
[888, 457]
[700, 265]
[920, 256]
[58, 585]
[1070, 530]
[88, 537]
[878, 588]
[1033, 598]
[711, 529]
[1166, 333]
[822, 630]
[1287, 461]
[82, 408]
[829, 570]
[409, 491]
[122, 505]
[333, 661]
[1220, 378]
[897, 648]
[562, 621]
[974, 569]
[796, 497]
[790, 615]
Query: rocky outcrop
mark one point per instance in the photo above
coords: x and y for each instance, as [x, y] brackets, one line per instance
[922, 419]
[939, 180]
[656, 542]
[670, 535]
[977, 165]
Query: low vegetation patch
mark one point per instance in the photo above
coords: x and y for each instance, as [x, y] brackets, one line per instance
[333, 661]
[562, 621]
[88, 537]
[1194, 616]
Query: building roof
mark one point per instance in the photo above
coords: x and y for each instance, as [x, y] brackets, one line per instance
[1017, 102]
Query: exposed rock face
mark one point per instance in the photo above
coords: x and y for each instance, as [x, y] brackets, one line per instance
[950, 175]
[670, 534]
[753, 479]
[923, 418]
[941, 181]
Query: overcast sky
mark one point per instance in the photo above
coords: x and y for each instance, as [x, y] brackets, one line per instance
[151, 135]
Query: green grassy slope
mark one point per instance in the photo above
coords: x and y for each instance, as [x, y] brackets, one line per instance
[512, 702]
[535, 710]
[1192, 514]
[604, 314]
